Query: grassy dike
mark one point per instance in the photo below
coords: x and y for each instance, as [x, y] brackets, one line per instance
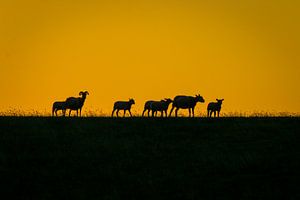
[146, 158]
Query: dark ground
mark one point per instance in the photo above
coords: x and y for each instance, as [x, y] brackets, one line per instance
[142, 158]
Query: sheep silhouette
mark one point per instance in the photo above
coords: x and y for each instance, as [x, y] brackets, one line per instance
[147, 107]
[161, 106]
[123, 105]
[76, 103]
[186, 102]
[59, 105]
[214, 107]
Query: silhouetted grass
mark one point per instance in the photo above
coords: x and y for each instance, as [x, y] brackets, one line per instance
[146, 158]
[92, 112]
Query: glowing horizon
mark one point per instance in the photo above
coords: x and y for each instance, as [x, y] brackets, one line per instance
[245, 52]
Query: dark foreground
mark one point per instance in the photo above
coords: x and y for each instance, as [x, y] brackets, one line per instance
[140, 158]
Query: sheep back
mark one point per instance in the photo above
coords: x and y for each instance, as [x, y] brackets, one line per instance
[59, 105]
[74, 103]
[184, 101]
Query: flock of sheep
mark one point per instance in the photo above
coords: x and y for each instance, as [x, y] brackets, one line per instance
[179, 102]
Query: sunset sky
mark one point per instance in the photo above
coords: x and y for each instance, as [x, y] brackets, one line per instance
[247, 52]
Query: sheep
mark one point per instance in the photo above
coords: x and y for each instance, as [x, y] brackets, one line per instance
[214, 107]
[161, 106]
[76, 103]
[123, 105]
[147, 107]
[186, 102]
[59, 105]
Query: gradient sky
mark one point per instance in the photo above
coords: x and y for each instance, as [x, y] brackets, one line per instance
[247, 52]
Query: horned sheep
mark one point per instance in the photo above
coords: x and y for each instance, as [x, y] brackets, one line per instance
[76, 103]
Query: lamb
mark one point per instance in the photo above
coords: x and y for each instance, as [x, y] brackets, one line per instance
[76, 103]
[186, 102]
[123, 105]
[161, 106]
[147, 107]
[59, 105]
[214, 107]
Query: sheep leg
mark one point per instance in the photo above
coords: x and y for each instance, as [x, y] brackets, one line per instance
[189, 112]
[143, 112]
[207, 113]
[162, 113]
[130, 113]
[117, 113]
[80, 112]
[70, 112]
[124, 113]
[171, 111]
[77, 112]
[214, 113]
[218, 113]
[176, 111]
[112, 114]
[193, 111]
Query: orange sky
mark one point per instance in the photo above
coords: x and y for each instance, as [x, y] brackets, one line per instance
[247, 52]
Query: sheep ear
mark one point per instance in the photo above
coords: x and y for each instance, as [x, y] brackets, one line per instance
[222, 99]
[217, 99]
[87, 92]
[80, 93]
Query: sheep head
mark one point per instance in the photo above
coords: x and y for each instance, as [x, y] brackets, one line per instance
[200, 98]
[131, 101]
[220, 101]
[83, 93]
[168, 100]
